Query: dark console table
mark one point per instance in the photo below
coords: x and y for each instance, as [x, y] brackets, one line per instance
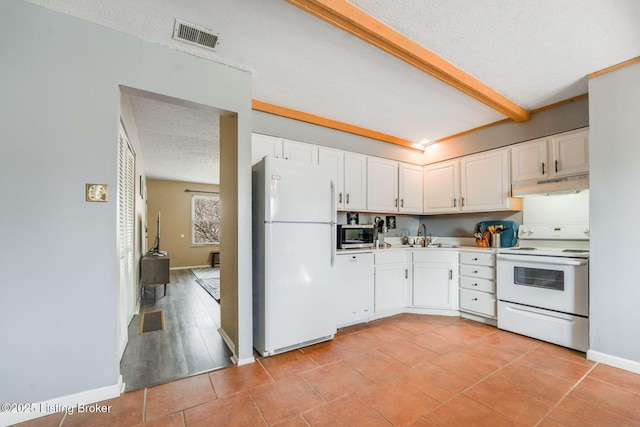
[154, 271]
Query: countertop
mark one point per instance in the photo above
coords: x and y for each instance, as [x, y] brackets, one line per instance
[416, 248]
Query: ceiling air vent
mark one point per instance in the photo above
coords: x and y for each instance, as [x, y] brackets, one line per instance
[195, 35]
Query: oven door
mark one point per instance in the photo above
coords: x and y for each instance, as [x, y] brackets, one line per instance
[554, 283]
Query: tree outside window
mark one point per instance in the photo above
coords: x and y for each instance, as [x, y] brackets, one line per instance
[205, 220]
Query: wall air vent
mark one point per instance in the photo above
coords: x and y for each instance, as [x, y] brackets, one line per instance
[195, 35]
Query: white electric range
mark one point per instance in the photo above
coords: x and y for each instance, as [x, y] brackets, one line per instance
[543, 284]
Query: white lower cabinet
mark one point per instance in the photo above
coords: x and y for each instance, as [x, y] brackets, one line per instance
[477, 283]
[355, 286]
[391, 278]
[434, 279]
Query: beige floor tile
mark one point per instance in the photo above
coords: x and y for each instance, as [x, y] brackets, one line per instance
[464, 412]
[348, 411]
[572, 412]
[286, 398]
[621, 378]
[336, 380]
[376, 365]
[235, 410]
[178, 395]
[435, 381]
[397, 401]
[238, 378]
[287, 364]
[609, 396]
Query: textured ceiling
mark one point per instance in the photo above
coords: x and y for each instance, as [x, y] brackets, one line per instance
[535, 53]
[179, 141]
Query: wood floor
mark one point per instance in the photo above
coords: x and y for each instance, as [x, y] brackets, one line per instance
[190, 343]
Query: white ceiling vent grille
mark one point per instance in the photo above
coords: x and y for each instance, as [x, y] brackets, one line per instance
[195, 35]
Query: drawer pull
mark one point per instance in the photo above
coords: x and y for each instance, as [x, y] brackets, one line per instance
[474, 299]
[474, 259]
[475, 271]
[475, 284]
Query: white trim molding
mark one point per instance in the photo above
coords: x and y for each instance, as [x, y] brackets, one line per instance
[69, 404]
[615, 361]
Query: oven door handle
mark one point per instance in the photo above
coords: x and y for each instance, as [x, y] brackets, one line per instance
[543, 259]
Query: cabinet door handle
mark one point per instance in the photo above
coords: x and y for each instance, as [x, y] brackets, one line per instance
[347, 198]
[462, 202]
[556, 166]
[450, 274]
[455, 202]
[402, 203]
[406, 273]
[340, 198]
[396, 202]
[542, 168]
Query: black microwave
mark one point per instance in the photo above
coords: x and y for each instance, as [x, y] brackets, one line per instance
[352, 236]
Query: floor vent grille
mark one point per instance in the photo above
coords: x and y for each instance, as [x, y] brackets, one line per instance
[195, 35]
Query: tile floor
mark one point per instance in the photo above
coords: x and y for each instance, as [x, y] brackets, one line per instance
[404, 370]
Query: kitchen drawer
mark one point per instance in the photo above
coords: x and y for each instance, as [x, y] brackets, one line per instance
[391, 257]
[480, 271]
[434, 256]
[478, 284]
[478, 302]
[478, 258]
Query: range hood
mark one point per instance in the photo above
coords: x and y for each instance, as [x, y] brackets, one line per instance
[569, 184]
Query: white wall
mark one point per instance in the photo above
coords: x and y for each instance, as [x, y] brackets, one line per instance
[59, 105]
[614, 111]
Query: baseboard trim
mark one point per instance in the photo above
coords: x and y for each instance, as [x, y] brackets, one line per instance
[241, 362]
[189, 267]
[480, 319]
[615, 361]
[227, 339]
[68, 404]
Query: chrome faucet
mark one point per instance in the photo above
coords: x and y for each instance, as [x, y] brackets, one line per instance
[424, 228]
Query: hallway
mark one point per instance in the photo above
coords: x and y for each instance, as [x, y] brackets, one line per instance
[190, 343]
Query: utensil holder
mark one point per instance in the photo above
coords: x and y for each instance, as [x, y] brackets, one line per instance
[495, 240]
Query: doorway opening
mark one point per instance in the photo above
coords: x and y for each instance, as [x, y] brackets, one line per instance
[177, 146]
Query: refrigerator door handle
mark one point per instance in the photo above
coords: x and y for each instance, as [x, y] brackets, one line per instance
[334, 243]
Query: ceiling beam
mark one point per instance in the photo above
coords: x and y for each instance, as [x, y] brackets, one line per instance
[329, 123]
[356, 22]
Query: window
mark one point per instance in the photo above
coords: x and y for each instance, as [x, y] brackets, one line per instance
[205, 220]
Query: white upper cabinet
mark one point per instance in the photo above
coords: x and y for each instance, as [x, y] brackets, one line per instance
[334, 161]
[529, 160]
[570, 153]
[382, 185]
[485, 182]
[410, 188]
[561, 155]
[442, 188]
[300, 152]
[264, 145]
[355, 181]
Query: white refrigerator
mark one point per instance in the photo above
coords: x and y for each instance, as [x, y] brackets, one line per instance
[293, 255]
